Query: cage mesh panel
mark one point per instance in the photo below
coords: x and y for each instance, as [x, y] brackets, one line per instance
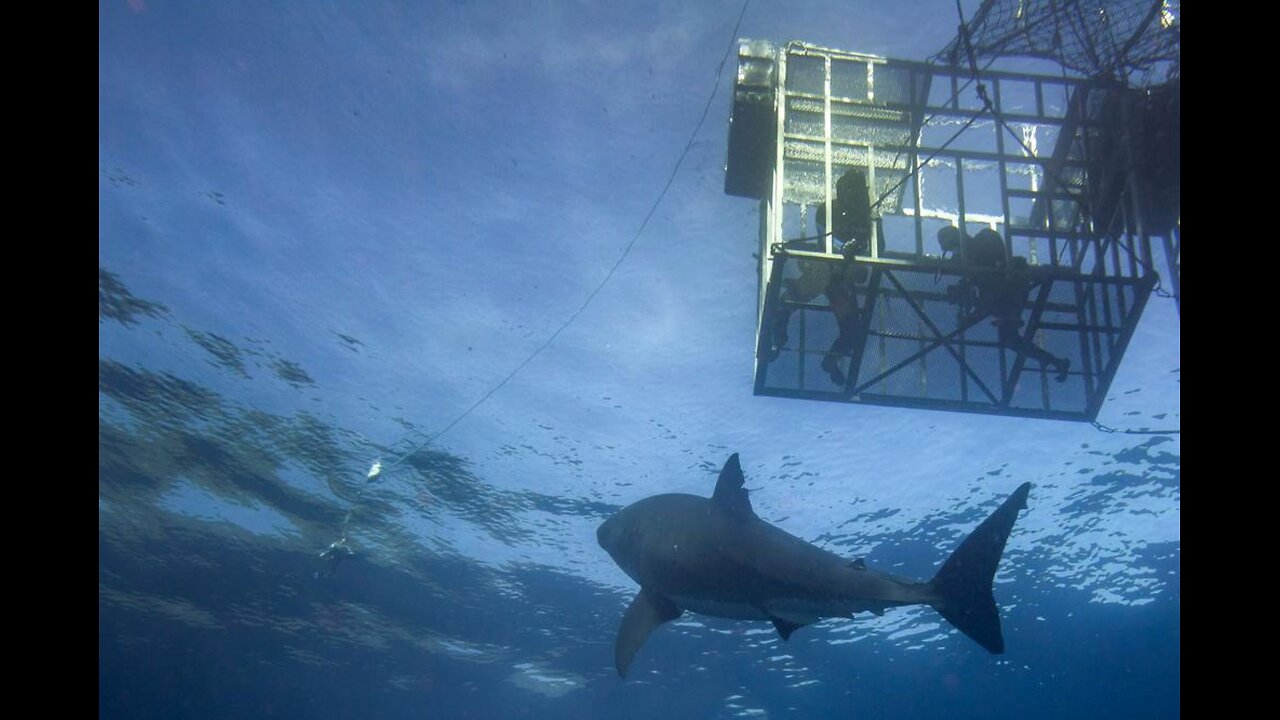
[1085, 317]
[856, 120]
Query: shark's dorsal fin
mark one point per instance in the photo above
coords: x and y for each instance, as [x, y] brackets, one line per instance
[647, 611]
[859, 564]
[730, 496]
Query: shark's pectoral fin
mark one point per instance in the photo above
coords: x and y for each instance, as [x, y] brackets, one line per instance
[648, 610]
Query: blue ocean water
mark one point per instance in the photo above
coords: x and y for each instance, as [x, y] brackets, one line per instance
[328, 230]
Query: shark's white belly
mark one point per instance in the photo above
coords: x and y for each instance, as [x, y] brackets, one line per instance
[719, 608]
[796, 610]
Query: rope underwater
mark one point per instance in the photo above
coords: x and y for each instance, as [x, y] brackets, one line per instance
[339, 548]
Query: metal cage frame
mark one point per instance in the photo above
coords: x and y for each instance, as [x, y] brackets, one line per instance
[1075, 212]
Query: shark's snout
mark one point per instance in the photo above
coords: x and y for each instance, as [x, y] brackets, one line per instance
[605, 533]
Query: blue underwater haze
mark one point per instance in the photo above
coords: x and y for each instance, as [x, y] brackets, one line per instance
[327, 230]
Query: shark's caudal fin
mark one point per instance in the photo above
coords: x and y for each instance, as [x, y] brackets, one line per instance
[963, 585]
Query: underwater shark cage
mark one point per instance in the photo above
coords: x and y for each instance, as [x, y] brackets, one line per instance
[886, 153]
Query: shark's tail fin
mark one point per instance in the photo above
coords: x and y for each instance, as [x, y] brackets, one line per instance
[963, 585]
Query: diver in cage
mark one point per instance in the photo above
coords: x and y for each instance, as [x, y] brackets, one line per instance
[838, 283]
[812, 282]
[1001, 295]
[842, 297]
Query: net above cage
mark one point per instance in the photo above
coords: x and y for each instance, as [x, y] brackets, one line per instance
[1136, 42]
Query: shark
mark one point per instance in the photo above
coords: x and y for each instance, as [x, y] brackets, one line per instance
[715, 556]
